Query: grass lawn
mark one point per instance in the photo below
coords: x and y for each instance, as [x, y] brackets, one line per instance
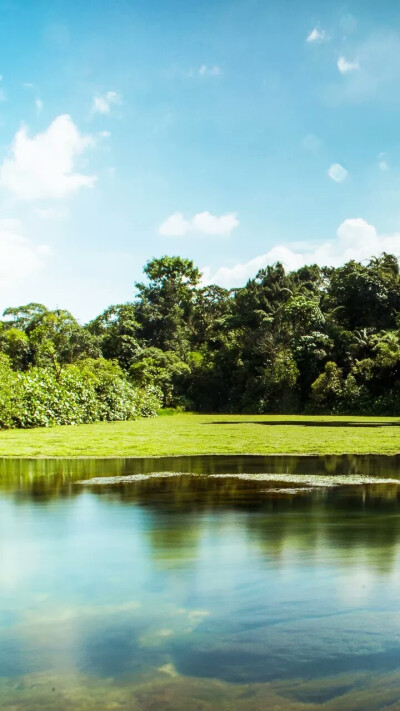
[209, 434]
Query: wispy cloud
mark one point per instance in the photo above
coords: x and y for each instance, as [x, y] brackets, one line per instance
[311, 143]
[205, 223]
[204, 71]
[371, 74]
[345, 66]
[317, 36]
[19, 257]
[103, 103]
[337, 173]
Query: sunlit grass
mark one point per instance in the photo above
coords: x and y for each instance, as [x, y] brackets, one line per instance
[208, 434]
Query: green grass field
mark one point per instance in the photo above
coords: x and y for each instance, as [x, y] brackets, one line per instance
[209, 434]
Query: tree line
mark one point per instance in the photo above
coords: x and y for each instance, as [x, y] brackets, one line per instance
[315, 340]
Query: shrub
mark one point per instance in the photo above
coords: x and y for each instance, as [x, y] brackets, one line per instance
[8, 392]
[89, 391]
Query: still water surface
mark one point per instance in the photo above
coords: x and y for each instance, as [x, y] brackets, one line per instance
[205, 584]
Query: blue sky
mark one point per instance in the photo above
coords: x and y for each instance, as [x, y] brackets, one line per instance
[233, 133]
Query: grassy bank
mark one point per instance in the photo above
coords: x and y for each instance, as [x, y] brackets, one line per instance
[209, 434]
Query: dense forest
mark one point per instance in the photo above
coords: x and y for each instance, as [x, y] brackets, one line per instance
[315, 340]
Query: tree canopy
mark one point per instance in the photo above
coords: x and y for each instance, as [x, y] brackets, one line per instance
[319, 339]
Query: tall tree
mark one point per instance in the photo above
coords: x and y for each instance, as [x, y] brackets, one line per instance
[165, 304]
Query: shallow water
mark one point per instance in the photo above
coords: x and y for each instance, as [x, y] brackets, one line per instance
[246, 583]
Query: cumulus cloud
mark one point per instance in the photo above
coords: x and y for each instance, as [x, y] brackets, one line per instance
[208, 224]
[42, 167]
[174, 226]
[205, 223]
[345, 66]
[19, 257]
[337, 173]
[102, 104]
[355, 239]
[317, 35]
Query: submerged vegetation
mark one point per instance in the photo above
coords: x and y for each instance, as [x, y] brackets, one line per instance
[315, 340]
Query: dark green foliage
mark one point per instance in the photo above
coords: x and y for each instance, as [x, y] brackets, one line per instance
[165, 305]
[116, 330]
[315, 340]
[162, 369]
[366, 296]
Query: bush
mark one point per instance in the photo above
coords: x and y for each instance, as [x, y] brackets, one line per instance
[89, 391]
[8, 392]
[47, 398]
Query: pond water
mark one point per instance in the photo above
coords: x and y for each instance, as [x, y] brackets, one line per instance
[200, 583]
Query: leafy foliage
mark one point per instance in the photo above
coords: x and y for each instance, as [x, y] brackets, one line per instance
[316, 339]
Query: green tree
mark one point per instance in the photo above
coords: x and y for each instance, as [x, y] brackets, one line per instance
[165, 370]
[165, 305]
[117, 331]
[366, 296]
[58, 339]
[327, 389]
[15, 344]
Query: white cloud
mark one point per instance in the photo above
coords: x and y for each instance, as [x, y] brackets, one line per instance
[42, 167]
[205, 223]
[355, 239]
[39, 105]
[208, 224]
[317, 35]
[19, 257]
[102, 104]
[337, 173]
[345, 66]
[174, 226]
